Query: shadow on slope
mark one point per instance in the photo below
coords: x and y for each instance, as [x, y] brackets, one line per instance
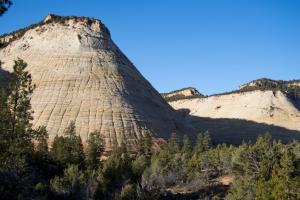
[295, 101]
[4, 77]
[235, 131]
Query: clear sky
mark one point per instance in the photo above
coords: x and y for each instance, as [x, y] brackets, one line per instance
[213, 45]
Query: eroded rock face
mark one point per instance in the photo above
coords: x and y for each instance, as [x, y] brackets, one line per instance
[270, 107]
[82, 76]
[184, 93]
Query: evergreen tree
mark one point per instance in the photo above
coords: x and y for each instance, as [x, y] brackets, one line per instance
[5, 137]
[41, 137]
[173, 144]
[242, 189]
[186, 148]
[95, 149]
[117, 170]
[128, 192]
[4, 5]
[59, 150]
[16, 132]
[71, 185]
[145, 145]
[21, 89]
[74, 145]
[285, 185]
[69, 149]
[263, 189]
[186, 153]
[70, 131]
[139, 165]
[199, 146]
[207, 142]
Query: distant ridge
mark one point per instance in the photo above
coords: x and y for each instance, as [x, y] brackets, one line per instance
[291, 88]
[262, 105]
[184, 93]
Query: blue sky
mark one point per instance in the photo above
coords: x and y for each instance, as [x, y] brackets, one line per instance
[213, 45]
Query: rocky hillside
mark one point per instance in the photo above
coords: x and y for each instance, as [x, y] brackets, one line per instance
[184, 93]
[256, 107]
[82, 76]
[289, 87]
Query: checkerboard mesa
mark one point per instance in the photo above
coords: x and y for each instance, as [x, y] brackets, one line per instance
[82, 76]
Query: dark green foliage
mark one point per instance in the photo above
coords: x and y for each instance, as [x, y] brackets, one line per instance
[41, 138]
[21, 89]
[71, 185]
[59, 150]
[267, 169]
[4, 5]
[291, 88]
[195, 94]
[206, 162]
[16, 133]
[203, 142]
[186, 149]
[117, 168]
[284, 183]
[128, 192]
[68, 149]
[139, 165]
[145, 145]
[96, 146]
[173, 143]
[267, 84]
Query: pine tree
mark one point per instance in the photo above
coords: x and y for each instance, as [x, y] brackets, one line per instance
[199, 146]
[71, 185]
[186, 148]
[207, 142]
[69, 149]
[5, 137]
[4, 5]
[59, 150]
[16, 132]
[263, 188]
[145, 145]
[41, 137]
[19, 100]
[77, 153]
[74, 145]
[96, 145]
[70, 131]
[285, 186]
[173, 144]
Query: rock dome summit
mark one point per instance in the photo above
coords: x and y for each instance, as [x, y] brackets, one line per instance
[82, 76]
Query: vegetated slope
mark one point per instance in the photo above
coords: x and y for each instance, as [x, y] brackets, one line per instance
[82, 76]
[184, 93]
[291, 87]
[260, 106]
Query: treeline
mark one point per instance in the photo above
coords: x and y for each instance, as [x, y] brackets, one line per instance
[180, 97]
[292, 88]
[169, 97]
[263, 84]
[30, 169]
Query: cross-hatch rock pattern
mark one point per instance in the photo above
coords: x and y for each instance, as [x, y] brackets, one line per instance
[82, 76]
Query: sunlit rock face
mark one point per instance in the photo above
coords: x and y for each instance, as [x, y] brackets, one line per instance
[270, 107]
[82, 76]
